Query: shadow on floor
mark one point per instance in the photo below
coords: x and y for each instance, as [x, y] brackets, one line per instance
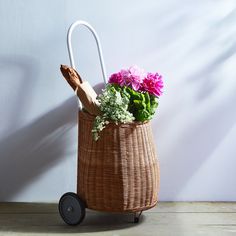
[46, 218]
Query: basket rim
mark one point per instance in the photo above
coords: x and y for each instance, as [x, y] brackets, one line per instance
[129, 210]
[92, 117]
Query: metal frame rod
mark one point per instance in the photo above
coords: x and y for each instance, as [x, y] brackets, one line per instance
[70, 50]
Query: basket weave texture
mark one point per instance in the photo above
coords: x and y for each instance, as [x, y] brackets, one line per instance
[120, 171]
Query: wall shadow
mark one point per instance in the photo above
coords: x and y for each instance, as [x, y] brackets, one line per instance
[201, 136]
[208, 111]
[21, 72]
[194, 146]
[33, 149]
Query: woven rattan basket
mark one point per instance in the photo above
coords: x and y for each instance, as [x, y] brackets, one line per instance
[120, 171]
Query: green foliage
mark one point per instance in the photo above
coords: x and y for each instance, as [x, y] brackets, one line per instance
[123, 104]
[141, 105]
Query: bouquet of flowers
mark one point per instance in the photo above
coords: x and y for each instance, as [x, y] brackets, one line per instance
[130, 95]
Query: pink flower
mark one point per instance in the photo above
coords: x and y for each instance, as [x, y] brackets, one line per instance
[133, 77]
[117, 78]
[138, 80]
[137, 72]
[153, 84]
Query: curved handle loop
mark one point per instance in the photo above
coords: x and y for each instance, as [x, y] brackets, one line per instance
[69, 34]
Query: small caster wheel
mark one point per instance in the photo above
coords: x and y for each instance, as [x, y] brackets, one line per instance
[71, 208]
[137, 216]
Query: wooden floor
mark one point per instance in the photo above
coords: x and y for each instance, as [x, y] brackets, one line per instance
[168, 218]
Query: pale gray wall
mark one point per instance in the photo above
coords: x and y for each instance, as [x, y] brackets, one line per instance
[192, 43]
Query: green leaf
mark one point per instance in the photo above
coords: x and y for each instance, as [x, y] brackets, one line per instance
[142, 115]
[139, 104]
[147, 101]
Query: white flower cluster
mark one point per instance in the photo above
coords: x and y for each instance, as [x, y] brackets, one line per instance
[114, 108]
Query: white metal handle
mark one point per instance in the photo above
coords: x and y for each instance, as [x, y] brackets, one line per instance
[70, 50]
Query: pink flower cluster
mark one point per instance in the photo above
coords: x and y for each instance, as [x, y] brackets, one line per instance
[138, 80]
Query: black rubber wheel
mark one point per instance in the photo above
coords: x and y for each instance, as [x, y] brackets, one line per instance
[71, 208]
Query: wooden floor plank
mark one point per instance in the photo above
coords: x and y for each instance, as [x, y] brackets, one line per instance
[195, 207]
[178, 219]
[11, 207]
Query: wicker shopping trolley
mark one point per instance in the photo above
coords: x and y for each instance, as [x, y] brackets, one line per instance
[117, 173]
